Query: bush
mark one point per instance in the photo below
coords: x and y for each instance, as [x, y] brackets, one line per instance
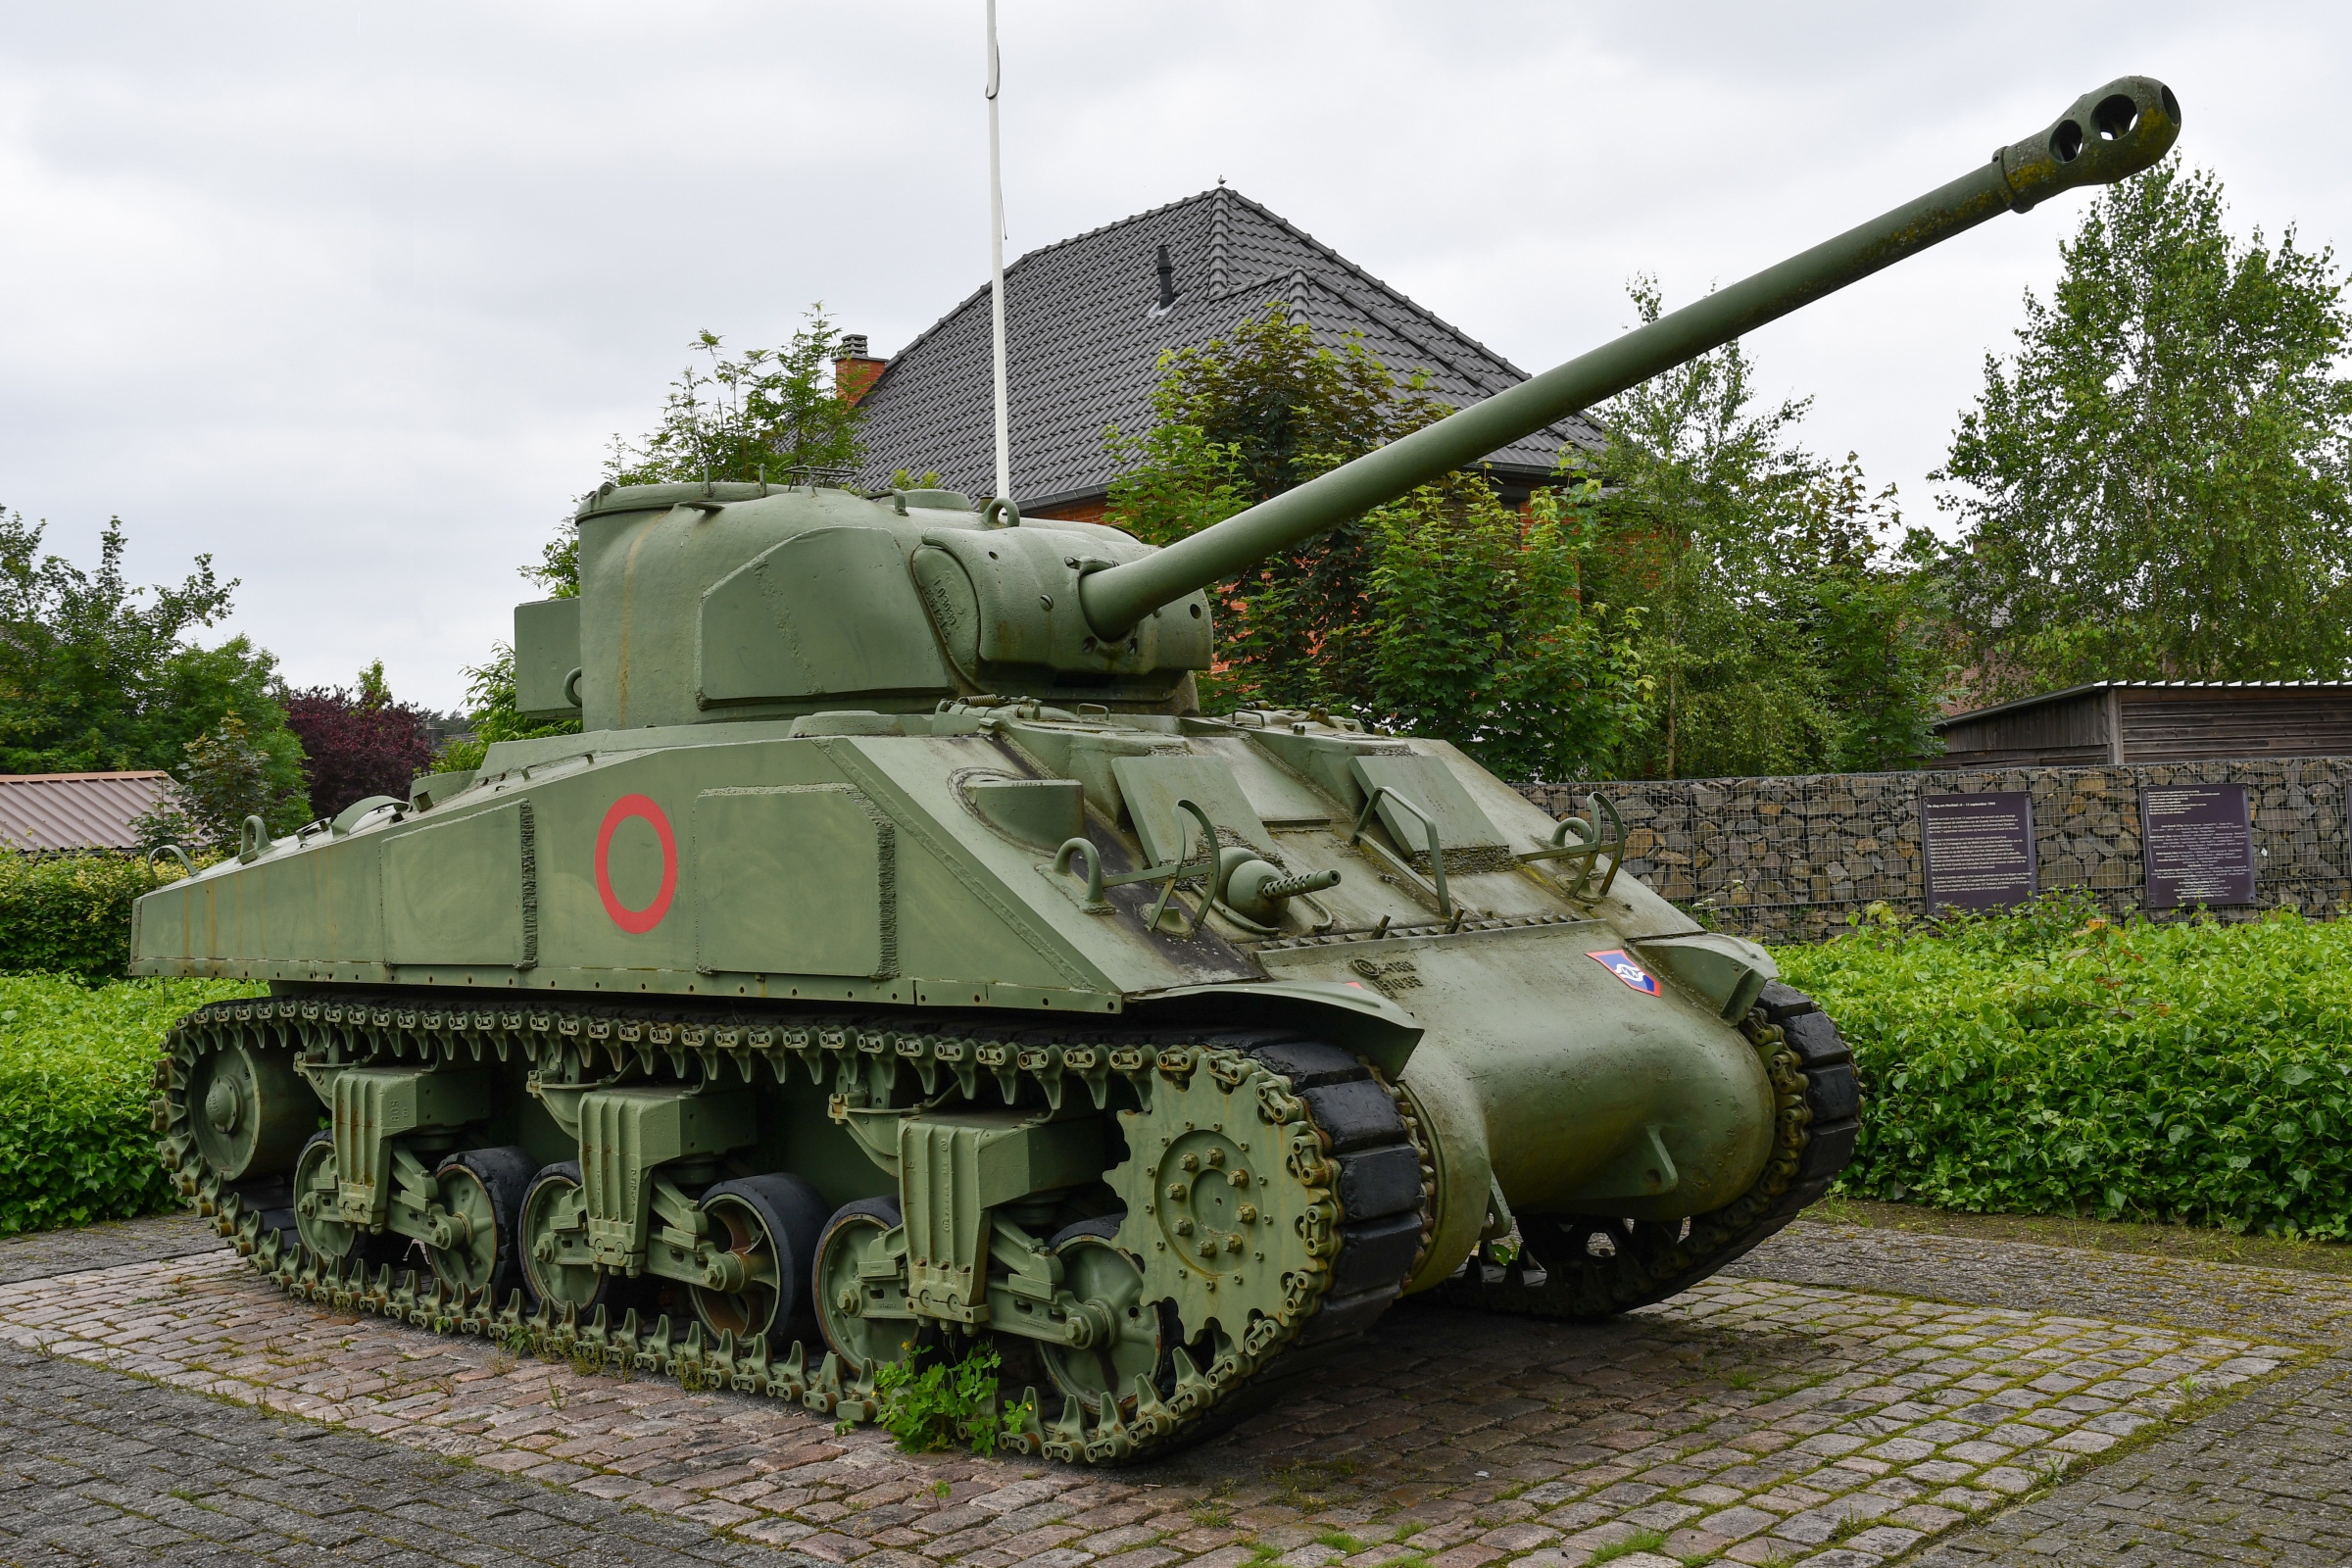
[71, 913]
[2054, 1062]
[77, 1065]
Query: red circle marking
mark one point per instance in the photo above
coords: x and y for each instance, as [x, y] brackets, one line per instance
[636, 921]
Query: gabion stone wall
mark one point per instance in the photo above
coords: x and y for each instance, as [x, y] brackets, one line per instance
[1798, 857]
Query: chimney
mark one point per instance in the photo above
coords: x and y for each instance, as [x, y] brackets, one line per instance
[853, 369]
[1167, 280]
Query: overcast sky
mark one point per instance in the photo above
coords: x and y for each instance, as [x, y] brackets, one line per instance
[354, 298]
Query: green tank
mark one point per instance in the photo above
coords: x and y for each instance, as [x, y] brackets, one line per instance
[898, 961]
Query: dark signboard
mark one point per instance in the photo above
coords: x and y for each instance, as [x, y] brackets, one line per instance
[1979, 848]
[2198, 839]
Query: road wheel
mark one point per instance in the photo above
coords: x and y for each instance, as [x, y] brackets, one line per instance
[1129, 1336]
[865, 1320]
[768, 1226]
[482, 1189]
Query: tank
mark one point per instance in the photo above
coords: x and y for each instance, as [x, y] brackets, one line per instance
[899, 963]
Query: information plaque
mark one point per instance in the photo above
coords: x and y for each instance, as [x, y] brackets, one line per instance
[2198, 841]
[1980, 849]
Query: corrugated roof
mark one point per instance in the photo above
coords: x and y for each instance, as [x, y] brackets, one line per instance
[76, 810]
[1083, 340]
[2021, 704]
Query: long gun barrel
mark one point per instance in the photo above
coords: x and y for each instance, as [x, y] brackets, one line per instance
[2108, 135]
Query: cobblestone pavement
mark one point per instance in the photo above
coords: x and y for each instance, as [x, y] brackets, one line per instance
[1752, 1420]
[98, 1466]
[43, 1254]
[2267, 1479]
[2180, 1291]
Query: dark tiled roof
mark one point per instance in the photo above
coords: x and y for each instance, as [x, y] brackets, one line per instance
[76, 810]
[1083, 343]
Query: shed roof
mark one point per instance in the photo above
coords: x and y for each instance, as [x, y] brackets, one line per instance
[1084, 334]
[50, 811]
[2042, 699]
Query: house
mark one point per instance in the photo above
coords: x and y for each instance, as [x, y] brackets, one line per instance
[53, 812]
[2122, 721]
[1086, 322]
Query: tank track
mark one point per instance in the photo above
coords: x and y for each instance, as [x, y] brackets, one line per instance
[1580, 1267]
[1329, 1103]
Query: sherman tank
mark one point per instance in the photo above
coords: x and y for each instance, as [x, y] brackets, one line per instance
[898, 961]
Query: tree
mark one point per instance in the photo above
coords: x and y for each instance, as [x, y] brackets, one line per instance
[1781, 631]
[2155, 485]
[493, 714]
[1236, 421]
[96, 675]
[224, 778]
[1479, 633]
[358, 743]
[761, 414]
[1445, 613]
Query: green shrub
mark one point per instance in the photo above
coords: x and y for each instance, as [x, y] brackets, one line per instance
[70, 913]
[75, 1068]
[2056, 1063]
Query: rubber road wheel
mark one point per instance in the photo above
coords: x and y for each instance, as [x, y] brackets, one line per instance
[1144, 1333]
[332, 1239]
[554, 1256]
[770, 1224]
[485, 1185]
[843, 1300]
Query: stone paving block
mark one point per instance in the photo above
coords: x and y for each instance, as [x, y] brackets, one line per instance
[1913, 1413]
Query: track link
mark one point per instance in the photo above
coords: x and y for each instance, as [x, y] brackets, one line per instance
[1582, 1267]
[1351, 1157]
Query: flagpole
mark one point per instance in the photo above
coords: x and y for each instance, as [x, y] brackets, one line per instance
[996, 265]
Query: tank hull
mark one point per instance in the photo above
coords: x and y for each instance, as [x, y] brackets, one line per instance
[667, 980]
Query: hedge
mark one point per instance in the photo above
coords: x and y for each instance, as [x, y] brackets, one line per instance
[77, 1065]
[70, 913]
[2051, 1063]
[2056, 1063]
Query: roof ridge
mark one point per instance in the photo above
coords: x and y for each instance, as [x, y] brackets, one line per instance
[1301, 277]
[1027, 256]
[1406, 300]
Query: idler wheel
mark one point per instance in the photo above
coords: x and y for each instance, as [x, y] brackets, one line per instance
[479, 1246]
[1129, 1336]
[865, 1320]
[316, 1219]
[252, 1111]
[769, 1226]
[555, 1262]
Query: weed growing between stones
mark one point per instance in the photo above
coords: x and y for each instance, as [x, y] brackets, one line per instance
[943, 1405]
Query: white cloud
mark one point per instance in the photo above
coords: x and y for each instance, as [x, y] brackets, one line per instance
[354, 300]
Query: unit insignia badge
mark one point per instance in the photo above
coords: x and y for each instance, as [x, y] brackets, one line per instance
[1621, 964]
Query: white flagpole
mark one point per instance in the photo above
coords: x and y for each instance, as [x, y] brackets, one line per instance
[996, 265]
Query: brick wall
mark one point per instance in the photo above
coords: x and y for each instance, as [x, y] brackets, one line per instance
[1798, 857]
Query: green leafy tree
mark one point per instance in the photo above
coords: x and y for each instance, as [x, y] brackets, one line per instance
[1243, 419]
[97, 675]
[744, 416]
[1480, 634]
[1879, 627]
[493, 714]
[1781, 629]
[2156, 484]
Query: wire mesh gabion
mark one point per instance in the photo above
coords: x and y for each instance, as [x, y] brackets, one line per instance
[1800, 858]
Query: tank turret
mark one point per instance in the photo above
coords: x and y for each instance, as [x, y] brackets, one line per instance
[898, 961]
